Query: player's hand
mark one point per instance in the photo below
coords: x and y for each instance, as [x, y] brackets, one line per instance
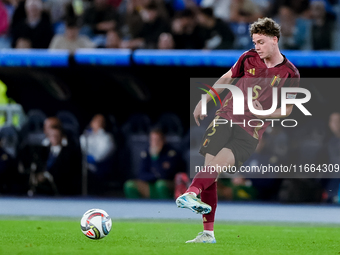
[197, 113]
[257, 105]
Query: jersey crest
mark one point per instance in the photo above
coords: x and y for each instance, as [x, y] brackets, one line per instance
[275, 81]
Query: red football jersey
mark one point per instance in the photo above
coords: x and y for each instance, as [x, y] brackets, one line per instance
[254, 73]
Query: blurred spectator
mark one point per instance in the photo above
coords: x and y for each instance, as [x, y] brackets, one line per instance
[71, 40]
[236, 189]
[159, 165]
[322, 26]
[218, 35]
[300, 190]
[294, 30]
[248, 186]
[8, 171]
[132, 21]
[309, 143]
[101, 17]
[115, 3]
[221, 8]
[244, 11]
[266, 154]
[153, 26]
[277, 144]
[19, 13]
[113, 40]
[61, 173]
[23, 43]
[98, 146]
[182, 183]
[36, 26]
[57, 9]
[310, 149]
[4, 19]
[166, 41]
[49, 124]
[331, 186]
[300, 7]
[187, 34]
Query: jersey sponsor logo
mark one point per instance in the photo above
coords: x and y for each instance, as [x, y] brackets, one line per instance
[251, 71]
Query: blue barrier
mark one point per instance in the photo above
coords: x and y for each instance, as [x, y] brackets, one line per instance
[186, 57]
[103, 57]
[34, 58]
[227, 58]
[322, 59]
[125, 57]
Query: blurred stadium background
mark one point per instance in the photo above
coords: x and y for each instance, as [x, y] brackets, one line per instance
[128, 60]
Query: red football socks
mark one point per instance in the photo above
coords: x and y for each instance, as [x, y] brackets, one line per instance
[206, 184]
[209, 196]
[202, 181]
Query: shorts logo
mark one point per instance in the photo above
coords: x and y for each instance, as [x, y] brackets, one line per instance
[206, 142]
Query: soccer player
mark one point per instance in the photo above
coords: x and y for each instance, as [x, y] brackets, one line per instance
[226, 145]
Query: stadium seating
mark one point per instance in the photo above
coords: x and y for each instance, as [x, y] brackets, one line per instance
[70, 124]
[136, 132]
[32, 132]
[172, 127]
[192, 156]
[10, 140]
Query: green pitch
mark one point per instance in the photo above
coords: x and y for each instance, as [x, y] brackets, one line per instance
[60, 236]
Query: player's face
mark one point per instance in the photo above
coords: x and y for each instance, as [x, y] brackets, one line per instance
[264, 45]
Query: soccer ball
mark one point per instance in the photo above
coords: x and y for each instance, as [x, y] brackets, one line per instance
[95, 224]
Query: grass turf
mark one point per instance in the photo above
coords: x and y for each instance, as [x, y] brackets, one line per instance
[165, 237]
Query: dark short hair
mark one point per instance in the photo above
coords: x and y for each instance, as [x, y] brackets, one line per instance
[265, 26]
[151, 6]
[207, 11]
[159, 131]
[186, 13]
[71, 19]
[72, 22]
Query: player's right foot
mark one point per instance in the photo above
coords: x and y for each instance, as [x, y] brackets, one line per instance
[203, 238]
[193, 203]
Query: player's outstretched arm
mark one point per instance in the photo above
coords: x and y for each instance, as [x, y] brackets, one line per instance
[225, 79]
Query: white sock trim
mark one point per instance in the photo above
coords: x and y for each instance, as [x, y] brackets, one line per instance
[209, 232]
[192, 193]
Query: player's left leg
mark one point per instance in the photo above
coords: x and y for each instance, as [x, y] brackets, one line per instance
[209, 195]
[203, 180]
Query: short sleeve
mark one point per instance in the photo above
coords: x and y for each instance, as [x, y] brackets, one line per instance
[238, 68]
[292, 82]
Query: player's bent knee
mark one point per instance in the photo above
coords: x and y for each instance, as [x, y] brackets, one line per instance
[222, 167]
[224, 159]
